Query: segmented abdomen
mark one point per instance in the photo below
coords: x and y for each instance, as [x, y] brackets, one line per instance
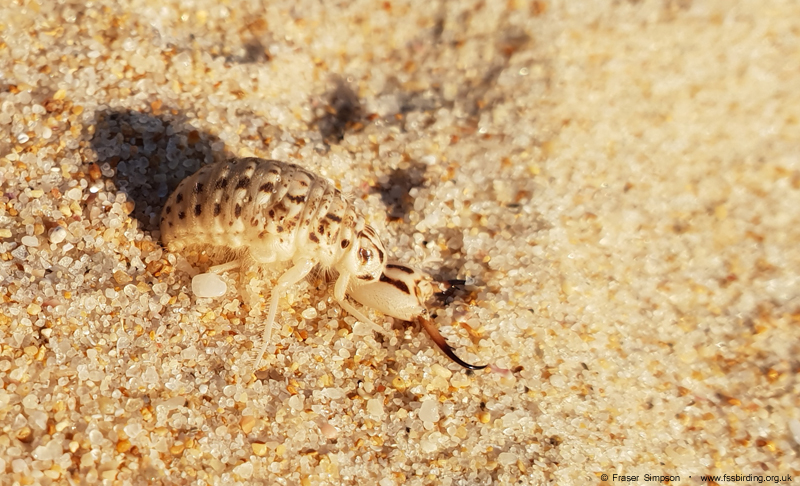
[273, 209]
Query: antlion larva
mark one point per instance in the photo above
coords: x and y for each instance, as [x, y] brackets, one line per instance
[275, 212]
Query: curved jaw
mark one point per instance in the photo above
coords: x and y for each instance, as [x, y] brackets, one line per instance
[433, 332]
[401, 292]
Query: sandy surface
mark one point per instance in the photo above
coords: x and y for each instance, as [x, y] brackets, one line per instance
[618, 183]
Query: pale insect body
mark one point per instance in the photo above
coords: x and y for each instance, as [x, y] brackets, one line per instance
[275, 212]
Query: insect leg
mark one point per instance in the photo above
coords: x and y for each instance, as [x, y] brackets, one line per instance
[339, 295]
[224, 267]
[295, 274]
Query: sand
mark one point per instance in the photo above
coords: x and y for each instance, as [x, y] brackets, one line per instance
[617, 183]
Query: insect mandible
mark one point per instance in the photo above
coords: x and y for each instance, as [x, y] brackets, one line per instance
[276, 212]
